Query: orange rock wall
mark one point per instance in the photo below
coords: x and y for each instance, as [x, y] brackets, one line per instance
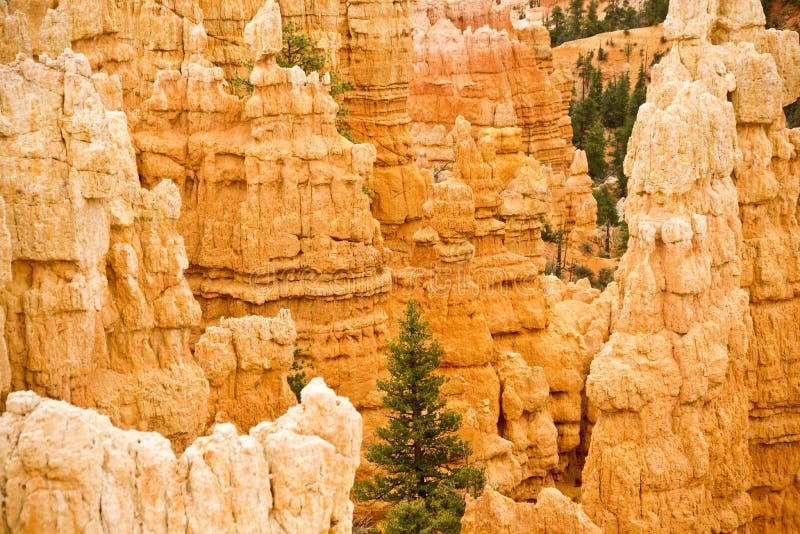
[694, 430]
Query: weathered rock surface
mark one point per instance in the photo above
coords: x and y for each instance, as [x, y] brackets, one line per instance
[64, 469]
[369, 44]
[475, 268]
[246, 362]
[499, 79]
[693, 390]
[97, 310]
[490, 79]
[553, 513]
[275, 213]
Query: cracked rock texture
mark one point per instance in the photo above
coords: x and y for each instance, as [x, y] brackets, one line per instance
[694, 389]
[553, 513]
[64, 469]
[155, 224]
[275, 213]
[497, 78]
[246, 361]
[97, 310]
[275, 210]
[478, 277]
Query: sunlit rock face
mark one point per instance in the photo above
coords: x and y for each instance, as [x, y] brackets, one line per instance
[275, 206]
[97, 310]
[155, 223]
[275, 210]
[68, 470]
[695, 428]
[498, 78]
[553, 513]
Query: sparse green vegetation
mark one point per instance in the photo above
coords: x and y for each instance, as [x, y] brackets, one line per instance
[579, 21]
[298, 379]
[603, 120]
[606, 212]
[604, 277]
[581, 271]
[301, 50]
[792, 115]
[242, 85]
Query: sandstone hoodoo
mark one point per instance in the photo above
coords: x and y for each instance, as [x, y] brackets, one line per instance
[191, 232]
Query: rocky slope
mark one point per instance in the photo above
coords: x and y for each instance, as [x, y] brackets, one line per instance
[68, 470]
[626, 51]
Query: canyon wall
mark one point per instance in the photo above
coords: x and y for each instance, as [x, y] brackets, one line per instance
[97, 310]
[369, 44]
[695, 430]
[66, 470]
[498, 78]
[274, 212]
[159, 302]
[479, 280]
[275, 207]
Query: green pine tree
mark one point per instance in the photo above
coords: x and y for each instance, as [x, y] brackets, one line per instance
[596, 84]
[591, 24]
[423, 461]
[574, 20]
[623, 133]
[299, 49]
[556, 23]
[584, 113]
[615, 101]
[595, 147]
[606, 212]
[654, 12]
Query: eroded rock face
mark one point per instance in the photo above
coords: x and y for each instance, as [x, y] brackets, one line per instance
[66, 470]
[490, 79]
[97, 310]
[275, 206]
[500, 79]
[690, 397]
[475, 269]
[246, 361]
[553, 513]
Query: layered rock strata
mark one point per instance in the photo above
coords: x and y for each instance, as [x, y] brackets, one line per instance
[490, 79]
[67, 470]
[765, 65]
[97, 310]
[369, 45]
[475, 270]
[495, 80]
[132, 40]
[695, 408]
[276, 211]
